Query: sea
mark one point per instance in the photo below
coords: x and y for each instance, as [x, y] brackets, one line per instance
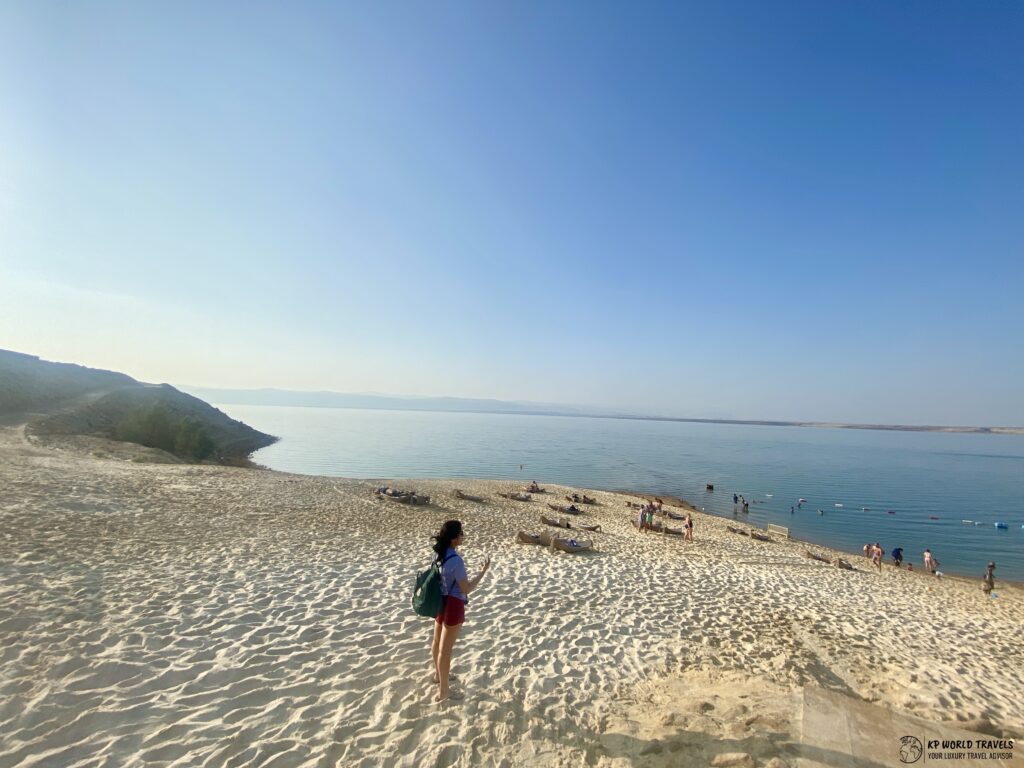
[916, 490]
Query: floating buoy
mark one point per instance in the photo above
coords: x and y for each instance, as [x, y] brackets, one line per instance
[967, 522]
[890, 512]
[1004, 526]
[839, 505]
[865, 509]
[932, 517]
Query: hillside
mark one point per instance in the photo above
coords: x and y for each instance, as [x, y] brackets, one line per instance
[65, 399]
[29, 385]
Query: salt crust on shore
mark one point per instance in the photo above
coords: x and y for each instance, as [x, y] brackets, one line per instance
[160, 614]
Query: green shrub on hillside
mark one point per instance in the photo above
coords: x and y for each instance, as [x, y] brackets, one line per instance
[155, 427]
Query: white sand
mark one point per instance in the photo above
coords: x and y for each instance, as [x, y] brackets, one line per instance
[207, 616]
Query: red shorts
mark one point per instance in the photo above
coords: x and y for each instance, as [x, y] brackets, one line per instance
[453, 612]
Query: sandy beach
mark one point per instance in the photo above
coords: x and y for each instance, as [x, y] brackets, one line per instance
[179, 615]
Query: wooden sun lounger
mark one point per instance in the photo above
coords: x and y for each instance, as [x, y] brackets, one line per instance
[544, 539]
[674, 516]
[740, 531]
[657, 527]
[411, 498]
[564, 509]
[565, 545]
[760, 536]
[458, 494]
[672, 531]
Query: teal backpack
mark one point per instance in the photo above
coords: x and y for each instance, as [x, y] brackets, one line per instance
[427, 599]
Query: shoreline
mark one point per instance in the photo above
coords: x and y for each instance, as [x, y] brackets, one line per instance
[270, 611]
[689, 506]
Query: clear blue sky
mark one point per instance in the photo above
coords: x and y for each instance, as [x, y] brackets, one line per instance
[771, 210]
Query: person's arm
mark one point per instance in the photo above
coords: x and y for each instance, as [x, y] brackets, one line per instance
[468, 585]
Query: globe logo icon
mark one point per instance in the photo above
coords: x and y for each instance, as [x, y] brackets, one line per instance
[910, 749]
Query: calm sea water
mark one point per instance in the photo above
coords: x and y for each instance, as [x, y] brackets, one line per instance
[915, 475]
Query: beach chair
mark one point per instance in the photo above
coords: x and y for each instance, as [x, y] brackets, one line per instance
[544, 539]
[572, 546]
[565, 509]
[515, 496]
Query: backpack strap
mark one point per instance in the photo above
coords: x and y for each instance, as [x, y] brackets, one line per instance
[441, 564]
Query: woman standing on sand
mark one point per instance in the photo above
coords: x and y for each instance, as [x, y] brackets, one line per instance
[876, 555]
[455, 586]
[988, 581]
[688, 527]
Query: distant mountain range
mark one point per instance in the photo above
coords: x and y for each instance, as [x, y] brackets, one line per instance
[306, 399]
[387, 402]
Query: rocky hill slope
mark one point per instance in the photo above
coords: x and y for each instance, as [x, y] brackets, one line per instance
[66, 399]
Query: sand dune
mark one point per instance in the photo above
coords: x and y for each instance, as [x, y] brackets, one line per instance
[162, 614]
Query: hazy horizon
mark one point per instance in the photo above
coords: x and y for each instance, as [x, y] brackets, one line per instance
[540, 408]
[794, 212]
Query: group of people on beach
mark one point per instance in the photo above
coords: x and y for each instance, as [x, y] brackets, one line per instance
[876, 553]
[645, 518]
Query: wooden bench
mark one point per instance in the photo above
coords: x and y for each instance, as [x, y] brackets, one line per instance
[778, 530]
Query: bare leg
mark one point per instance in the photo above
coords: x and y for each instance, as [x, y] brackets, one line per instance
[444, 659]
[435, 647]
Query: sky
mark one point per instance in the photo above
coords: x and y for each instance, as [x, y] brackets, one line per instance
[789, 210]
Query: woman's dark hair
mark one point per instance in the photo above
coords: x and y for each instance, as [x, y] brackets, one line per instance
[450, 531]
